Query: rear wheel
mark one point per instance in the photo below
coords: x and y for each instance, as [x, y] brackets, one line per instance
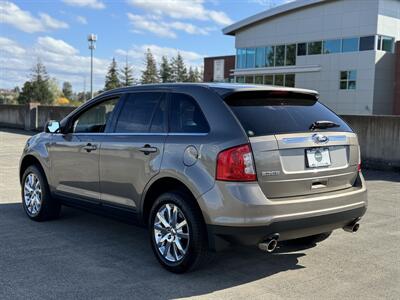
[177, 232]
[36, 199]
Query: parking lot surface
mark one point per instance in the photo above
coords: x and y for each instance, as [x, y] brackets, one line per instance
[83, 255]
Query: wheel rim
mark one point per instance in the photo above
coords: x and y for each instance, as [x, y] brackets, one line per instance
[32, 194]
[171, 232]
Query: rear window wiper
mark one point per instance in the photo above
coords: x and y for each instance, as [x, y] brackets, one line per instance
[323, 125]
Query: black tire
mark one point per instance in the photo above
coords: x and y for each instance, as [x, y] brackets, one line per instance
[50, 208]
[197, 253]
[311, 240]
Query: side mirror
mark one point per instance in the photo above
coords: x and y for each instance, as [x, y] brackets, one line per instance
[52, 126]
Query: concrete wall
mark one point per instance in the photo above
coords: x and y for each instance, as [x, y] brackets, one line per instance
[379, 138]
[13, 116]
[31, 116]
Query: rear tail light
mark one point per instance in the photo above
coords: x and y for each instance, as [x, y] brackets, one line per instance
[359, 167]
[236, 164]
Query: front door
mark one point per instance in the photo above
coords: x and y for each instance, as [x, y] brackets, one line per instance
[75, 154]
[132, 154]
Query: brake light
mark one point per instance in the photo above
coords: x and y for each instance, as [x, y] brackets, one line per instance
[236, 164]
[359, 167]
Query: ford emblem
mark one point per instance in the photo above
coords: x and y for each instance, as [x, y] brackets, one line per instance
[320, 139]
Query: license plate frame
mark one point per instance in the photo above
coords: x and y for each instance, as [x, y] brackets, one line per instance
[318, 157]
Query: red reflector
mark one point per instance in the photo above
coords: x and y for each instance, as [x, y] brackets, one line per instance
[236, 164]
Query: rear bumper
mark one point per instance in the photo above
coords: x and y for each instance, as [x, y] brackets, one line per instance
[240, 213]
[219, 236]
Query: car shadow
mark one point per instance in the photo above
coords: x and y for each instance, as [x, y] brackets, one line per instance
[86, 255]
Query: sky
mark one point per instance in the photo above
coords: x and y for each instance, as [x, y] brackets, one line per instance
[55, 31]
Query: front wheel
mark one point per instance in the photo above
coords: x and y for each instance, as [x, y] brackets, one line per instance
[36, 199]
[177, 232]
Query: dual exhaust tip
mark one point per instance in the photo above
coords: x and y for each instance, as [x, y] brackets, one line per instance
[270, 244]
[352, 227]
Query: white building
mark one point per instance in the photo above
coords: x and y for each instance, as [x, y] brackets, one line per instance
[345, 49]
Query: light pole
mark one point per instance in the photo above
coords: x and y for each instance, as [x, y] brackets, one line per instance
[92, 38]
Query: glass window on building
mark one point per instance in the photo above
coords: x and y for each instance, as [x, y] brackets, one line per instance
[301, 49]
[385, 43]
[260, 57]
[350, 45]
[249, 79]
[315, 48]
[258, 79]
[367, 43]
[269, 79]
[289, 80]
[348, 80]
[332, 46]
[280, 55]
[240, 79]
[250, 57]
[279, 80]
[290, 55]
[240, 58]
[269, 56]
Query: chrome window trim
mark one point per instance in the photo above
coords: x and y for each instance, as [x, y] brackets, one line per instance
[141, 134]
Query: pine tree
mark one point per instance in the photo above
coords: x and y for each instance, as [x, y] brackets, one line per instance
[67, 89]
[38, 88]
[112, 78]
[165, 70]
[150, 74]
[127, 75]
[179, 71]
[191, 75]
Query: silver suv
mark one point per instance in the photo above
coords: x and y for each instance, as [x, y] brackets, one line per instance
[202, 165]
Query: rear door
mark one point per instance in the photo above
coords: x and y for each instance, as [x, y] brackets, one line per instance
[291, 157]
[131, 155]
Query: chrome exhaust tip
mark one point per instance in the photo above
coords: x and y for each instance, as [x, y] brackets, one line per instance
[270, 244]
[352, 227]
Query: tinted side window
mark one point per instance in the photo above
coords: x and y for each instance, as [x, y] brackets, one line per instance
[186, 115]
[138, 112]
[95, 119]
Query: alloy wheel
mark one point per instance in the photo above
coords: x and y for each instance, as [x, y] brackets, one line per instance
[32, 194]
[171, 232]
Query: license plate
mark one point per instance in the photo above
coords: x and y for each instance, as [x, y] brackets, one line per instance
[318, 157]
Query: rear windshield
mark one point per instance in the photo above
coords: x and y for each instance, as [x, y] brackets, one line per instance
[266, 113]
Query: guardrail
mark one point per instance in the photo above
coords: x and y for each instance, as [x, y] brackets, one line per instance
[379, 136]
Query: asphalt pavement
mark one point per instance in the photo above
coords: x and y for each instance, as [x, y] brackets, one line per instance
[85, 256]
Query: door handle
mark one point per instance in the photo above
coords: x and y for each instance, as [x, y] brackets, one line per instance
[89, 147]
[147, 149]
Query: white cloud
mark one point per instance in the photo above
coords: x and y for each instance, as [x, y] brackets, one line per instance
[51, 22]
[182, 9]
[23, 20]
[10, 46]
[61, 59]
[82, 20]
[55, 46]
[141, 23]
[137, 52]
[270, 3]
[154, 24]
[96, 4]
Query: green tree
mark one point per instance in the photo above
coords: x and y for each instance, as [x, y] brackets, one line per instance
[67, 90]
[38, 88]
[179, 71]
[112, 77]
[126, 77]
[192, 77]
[165, 70]
[54, 89]
[149, 74]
